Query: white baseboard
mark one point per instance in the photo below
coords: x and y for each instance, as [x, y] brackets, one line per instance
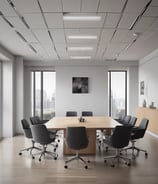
[154, 135]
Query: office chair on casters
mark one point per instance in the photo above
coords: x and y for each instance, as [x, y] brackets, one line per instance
[41, 135]
[28, 134]
[71, 113]
[76, 139]
[125, 120]
[118, 140]
[35, 120]
[87, 113]
[138, 133]
[132, 121]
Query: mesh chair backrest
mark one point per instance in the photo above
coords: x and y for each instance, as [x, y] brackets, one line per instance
[87, 113]
[76, 137]
[121, 136]
[132, 121]
[41, 134]
[71, 113]
[26, 128]
[35, 120]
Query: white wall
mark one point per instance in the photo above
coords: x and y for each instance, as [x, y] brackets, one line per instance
[148, 72]
[0, 99]
[97, 98]
[7, 99]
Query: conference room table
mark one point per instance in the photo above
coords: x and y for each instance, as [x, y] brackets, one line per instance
[92, 124]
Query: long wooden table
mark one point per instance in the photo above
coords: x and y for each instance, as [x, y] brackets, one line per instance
[91, 123]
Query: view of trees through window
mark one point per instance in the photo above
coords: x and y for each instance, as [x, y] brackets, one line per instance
[43, 94]
[117, 93]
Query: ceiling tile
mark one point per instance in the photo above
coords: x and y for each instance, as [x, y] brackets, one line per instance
[42, 36]
[154, 26]
[154, 3]
[111, 6]
[127, 20]
[58, 35]
[135, 6]
[61, 49]
[6, 9]
[35, 20]
[111, 20]
[29, 6]
[85, 24]
[116, 47]
[16, 22]
[54, 20]
[51, 6]
[50, 51]
[143, 24]
[71, 5]
[151, 11]
[106, 36]
[123, 36]
[28, 35]
[89, 5]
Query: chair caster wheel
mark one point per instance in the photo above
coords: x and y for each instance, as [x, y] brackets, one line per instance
[55, 158]
[54, 149]
[88, 161]
[65, 166]
[112, 165]
[105, 161]
[58, 140]
[20, 153]
[129, 164]
[39, 160]
[86, 167]
[33, 157]
[146, 154]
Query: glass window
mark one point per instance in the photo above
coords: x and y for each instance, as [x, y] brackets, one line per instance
[117, 93]
[43, 94]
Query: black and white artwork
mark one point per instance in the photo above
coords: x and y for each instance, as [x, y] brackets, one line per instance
[142, 86]
[80, 85]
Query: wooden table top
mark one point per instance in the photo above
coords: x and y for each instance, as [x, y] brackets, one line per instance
[95, 122]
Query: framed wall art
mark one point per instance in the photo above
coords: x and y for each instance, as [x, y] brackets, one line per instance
[79, 84]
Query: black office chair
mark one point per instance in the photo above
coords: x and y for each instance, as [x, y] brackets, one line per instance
[118, 140]
[132, 121]
[87, 113]
[42, 136]
[124, 120]
[71, 113]
[35, 120]
[76, 139]
[138, 133]
[28, 134]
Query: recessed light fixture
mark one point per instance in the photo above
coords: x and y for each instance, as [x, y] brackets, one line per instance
[80, 57]
[80, 48]
[88, 37]
[82, 18]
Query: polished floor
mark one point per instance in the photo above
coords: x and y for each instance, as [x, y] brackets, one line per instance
[15, 169]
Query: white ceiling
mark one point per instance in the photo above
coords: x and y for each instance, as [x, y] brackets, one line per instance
[45, 37]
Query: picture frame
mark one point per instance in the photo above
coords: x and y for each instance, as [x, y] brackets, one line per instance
[80, 85]
[142, 86]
